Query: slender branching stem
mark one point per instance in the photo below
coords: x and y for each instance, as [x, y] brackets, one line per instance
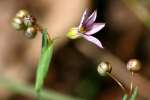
[40, 29]
[131, 84]
[118, 82]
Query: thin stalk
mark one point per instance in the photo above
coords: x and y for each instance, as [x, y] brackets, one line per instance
[118, 82]
[40, 29]
[131, 85]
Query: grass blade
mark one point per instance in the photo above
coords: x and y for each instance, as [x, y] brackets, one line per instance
[134, 94]
[125, 97]
[45, 59]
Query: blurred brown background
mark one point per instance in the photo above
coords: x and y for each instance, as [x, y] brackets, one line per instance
[74, 66]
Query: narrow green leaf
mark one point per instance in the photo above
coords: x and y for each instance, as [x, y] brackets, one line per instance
[45, 58]
[134, 94]
[125, 97]
[44, 39]
[29, 91]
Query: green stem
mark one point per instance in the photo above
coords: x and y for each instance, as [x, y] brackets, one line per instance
[131, 85]
[29, 91]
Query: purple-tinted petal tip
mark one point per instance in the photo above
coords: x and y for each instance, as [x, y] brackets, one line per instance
[93, 40]
[83, 18]
[90, 20]
[95, 28]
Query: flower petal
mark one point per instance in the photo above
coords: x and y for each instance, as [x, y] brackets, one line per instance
[83, 18]
[90, 20]
[95, 28]
[93, 40]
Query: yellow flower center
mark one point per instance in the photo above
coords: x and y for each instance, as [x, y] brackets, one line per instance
[73, 33]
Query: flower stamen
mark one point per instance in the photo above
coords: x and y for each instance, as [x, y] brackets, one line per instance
[82, 30]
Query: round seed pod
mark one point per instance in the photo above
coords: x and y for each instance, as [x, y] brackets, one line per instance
[133, 65]
[17, 23]
[31, 32]
[22, 13]
[104, 68]
[29, 20]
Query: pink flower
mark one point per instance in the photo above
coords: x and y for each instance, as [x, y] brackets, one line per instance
[87, 28]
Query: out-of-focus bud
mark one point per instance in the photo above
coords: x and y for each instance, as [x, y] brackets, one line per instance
[133, 65]
[104, 68]
[17, 23]
[31, 32]
[22, 13]
[29, 20]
